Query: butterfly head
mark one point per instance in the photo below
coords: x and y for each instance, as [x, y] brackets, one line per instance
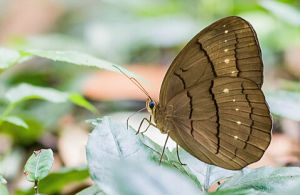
[151, 106]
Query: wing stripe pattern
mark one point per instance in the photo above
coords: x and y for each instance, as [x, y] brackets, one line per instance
[211, 98]
[217, 115]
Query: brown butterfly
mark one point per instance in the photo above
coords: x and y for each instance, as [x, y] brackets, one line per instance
[211, 103]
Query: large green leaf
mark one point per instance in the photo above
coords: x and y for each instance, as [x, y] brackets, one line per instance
[56, 181]
[38, 165]
[265, 179]
[284, 103]
[138, 177]
[109, 137]
[206, 174]
[110, 141]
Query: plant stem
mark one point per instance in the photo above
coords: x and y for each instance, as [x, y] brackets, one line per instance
[36, 186]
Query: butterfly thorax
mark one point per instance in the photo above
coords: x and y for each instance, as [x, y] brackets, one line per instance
[161, 118]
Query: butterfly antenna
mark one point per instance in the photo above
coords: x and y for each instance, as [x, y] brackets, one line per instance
[134, 81]
[134, 114]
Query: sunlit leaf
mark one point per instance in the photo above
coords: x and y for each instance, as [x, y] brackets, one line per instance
[79, 58]
[135, 178]
[265, 179]
[38, 165]
[110, 141]
[16, 121]
[284, 103]
[9, 57]
[206, 174]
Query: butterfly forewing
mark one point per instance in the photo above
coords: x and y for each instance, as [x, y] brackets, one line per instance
[211, 100]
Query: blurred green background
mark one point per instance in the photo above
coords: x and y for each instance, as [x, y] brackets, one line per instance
[143, 32]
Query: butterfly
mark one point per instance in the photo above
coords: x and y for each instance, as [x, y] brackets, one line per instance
[211, 103]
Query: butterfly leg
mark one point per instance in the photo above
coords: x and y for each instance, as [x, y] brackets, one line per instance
[164, 148]
[149, 123]
[177, 152]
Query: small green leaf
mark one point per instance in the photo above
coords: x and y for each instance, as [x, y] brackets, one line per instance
[3, 190]
[79, 100]
[55, 182]
[284, 103]
[135, 178]
[15, 120]
[92, 190]
[26, 91]
[265, 179]
[38, 165]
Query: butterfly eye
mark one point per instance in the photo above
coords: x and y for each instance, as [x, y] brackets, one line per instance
[151, 105]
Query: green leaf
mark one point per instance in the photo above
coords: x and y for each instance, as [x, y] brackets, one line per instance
[79, 58]
[3, 190]
[21, 137]
[206, 174]
[80, 101]
[284, 103]
[55, 182]
[265, 179]
[138, 177]
[108, 142]
[92, 190]
[15, 120]
[26, 91]
[9, 57]
[38, 165]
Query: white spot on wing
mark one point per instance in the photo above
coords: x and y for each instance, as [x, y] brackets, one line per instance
[226, 61]
[226, 31]
[238, 122]
[226, 90]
